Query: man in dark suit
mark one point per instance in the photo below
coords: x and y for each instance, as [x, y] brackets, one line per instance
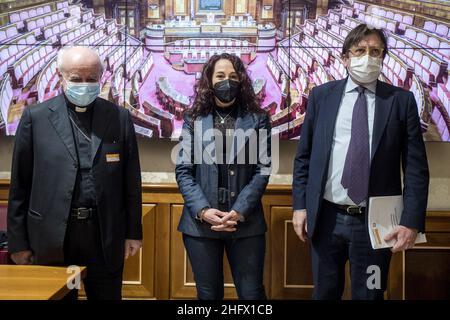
[75, 196]
[357, 134]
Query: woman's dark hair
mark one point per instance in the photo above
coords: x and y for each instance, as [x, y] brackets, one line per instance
[204, 93]
[358, 33]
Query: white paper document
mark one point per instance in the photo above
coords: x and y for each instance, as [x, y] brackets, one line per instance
[384, 216]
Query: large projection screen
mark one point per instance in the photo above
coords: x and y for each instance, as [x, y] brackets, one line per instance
[153, 58]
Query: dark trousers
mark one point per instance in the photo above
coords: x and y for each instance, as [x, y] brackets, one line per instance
[246, 257]
[339, 238]
[83, 247]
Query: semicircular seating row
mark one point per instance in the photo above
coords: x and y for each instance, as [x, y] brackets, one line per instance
[28, 53]
[418, 60]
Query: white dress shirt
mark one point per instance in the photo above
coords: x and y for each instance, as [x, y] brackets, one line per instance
[334, 191]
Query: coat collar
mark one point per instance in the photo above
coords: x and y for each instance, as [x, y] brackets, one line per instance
[352, 85]
[59, 118]
[383, 106]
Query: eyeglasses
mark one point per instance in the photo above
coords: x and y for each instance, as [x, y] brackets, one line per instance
[375, 52]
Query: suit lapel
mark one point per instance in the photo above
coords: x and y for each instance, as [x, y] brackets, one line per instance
[330, 111]
[59, 118]
[100, 122]
[383, 106]
[208, 139]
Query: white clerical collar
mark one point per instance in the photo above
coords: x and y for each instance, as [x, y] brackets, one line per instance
[80, 109]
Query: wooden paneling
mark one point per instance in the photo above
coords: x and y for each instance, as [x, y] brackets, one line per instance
[183, 283]
[3, 214]
[139, 271]
[267, 14]
[153, 13]
[291, 275]
[180, 7]
[229, 8]
[241, 6]
[252, 5]
[162, 275]
[162, 270]
[422, 273]
[421, 267]
[168, 6]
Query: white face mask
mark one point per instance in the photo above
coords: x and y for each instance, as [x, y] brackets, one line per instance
[82, 93]
[365, 69]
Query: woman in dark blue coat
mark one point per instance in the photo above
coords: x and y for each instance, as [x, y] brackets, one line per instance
[222, 171]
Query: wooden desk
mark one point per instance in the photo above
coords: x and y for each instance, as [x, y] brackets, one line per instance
[35, 282]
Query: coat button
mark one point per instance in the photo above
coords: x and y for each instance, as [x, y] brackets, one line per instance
[232, 193]
[231, 173]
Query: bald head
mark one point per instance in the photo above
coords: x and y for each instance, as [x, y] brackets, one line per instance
[80, 64]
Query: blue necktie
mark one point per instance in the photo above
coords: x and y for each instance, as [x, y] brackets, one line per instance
[355, 177]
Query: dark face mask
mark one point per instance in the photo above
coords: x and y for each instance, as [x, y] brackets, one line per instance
[227, 90]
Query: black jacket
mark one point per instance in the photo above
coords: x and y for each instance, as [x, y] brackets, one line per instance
[198, 182]
[44, 168]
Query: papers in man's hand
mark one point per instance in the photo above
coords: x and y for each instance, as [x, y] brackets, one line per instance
[384, 216]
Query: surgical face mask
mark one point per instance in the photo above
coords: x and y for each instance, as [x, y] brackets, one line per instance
[82, 94]
[365, 69]
[227, 90]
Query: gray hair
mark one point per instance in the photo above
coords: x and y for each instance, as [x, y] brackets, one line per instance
[63, 51]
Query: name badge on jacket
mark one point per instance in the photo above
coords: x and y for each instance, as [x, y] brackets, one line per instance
[112, 157]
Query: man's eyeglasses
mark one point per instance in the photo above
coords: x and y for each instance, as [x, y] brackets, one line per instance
[375, 52]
